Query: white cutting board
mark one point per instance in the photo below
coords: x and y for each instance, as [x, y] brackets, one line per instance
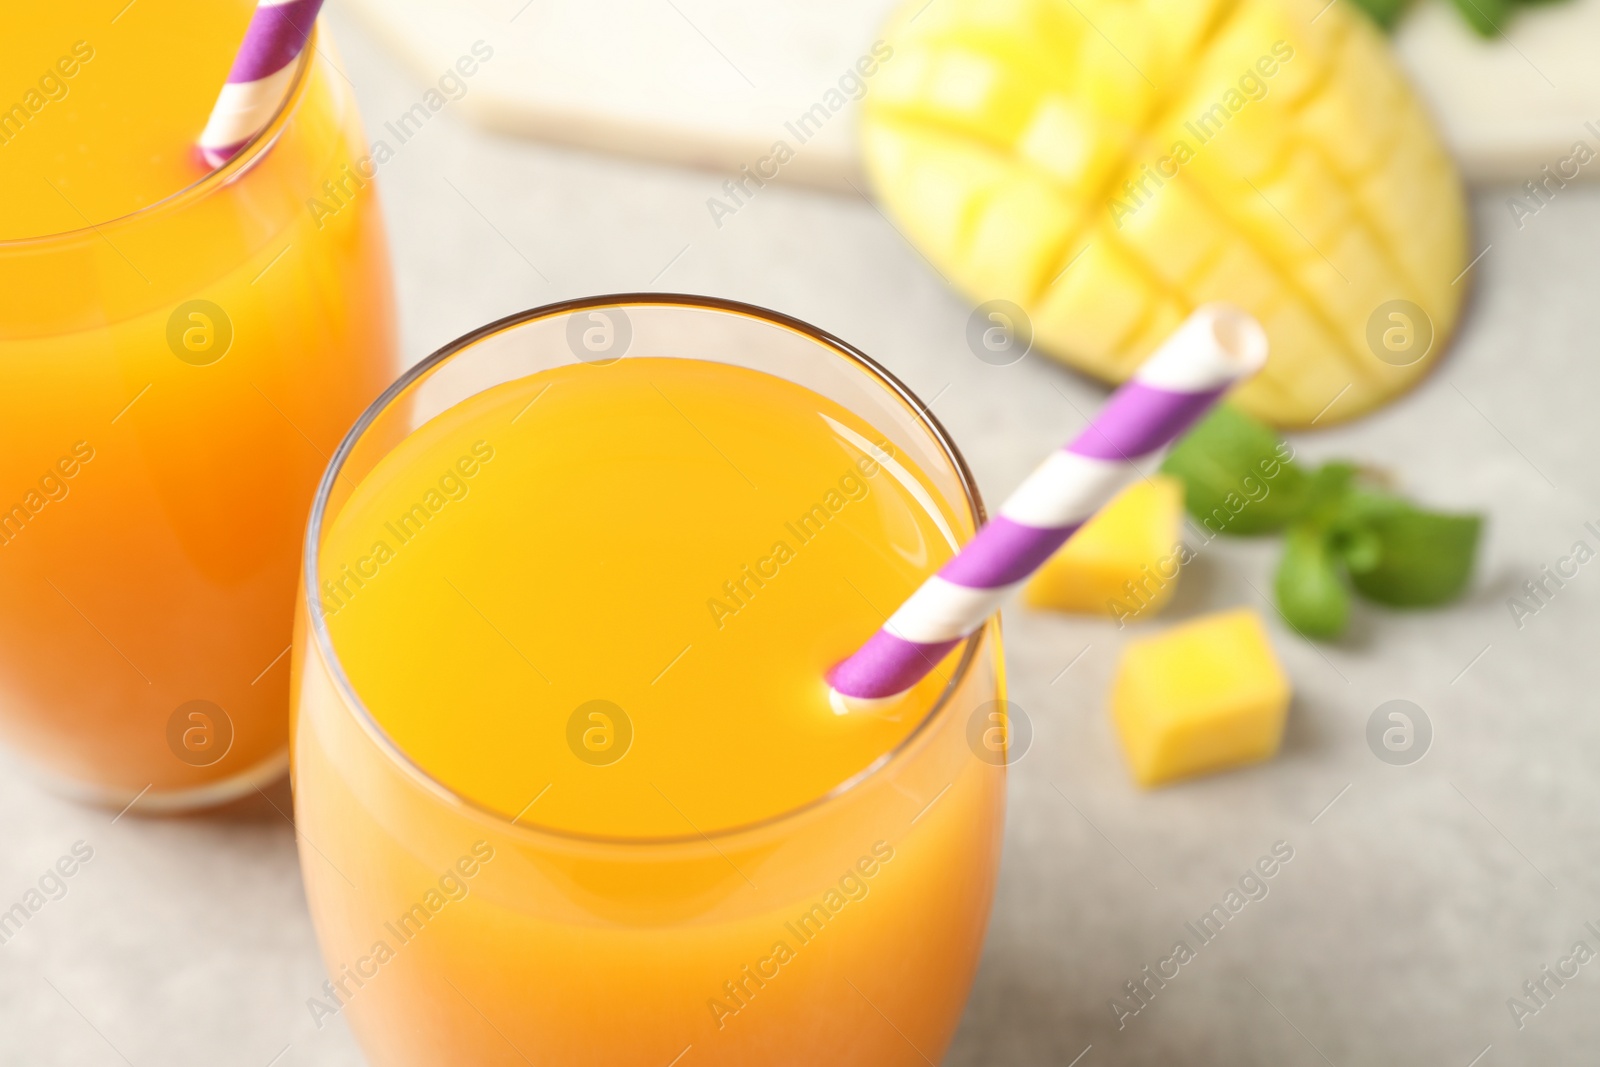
[711, 83]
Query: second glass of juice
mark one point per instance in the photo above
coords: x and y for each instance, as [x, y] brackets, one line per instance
[180, 352]
[569, 786]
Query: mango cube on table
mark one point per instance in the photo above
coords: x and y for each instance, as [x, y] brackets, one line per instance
[1202, 697]
[1124, 562]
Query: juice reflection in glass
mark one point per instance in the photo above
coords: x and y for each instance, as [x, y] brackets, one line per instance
[179, 354]
[569, 784]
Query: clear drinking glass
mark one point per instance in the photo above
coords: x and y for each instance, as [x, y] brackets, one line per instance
[452, 934]
[171, 385]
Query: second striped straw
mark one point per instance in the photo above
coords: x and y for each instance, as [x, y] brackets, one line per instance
[1217, 346]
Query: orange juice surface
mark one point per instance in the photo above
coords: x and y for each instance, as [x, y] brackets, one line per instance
[98, 118]
[601, 599]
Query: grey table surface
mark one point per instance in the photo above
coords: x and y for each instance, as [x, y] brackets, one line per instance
[1419, 899]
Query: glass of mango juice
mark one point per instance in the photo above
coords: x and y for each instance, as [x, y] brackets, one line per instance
[569, 784]
[180, 352]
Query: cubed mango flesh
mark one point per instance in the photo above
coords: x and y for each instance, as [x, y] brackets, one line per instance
[1109, 165]
[1124, 562]
[1202, 697]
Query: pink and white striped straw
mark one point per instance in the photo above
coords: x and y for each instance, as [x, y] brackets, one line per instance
[259, 80]
[1217, 346]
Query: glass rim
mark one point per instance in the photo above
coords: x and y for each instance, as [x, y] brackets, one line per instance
[242, 161]
[357, 708]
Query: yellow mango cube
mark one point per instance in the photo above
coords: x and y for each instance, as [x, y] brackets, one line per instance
[1124, 563]
[1202, 697]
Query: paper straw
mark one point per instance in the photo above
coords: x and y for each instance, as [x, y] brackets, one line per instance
[1217, 346]
[260, 77]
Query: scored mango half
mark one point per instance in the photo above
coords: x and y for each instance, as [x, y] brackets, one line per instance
[1109, 165]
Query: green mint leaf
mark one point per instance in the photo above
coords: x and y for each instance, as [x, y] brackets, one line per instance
[1310, 590]
[1364, 503]
[1328, 491]
[1357, 546]
[1424, 557]
[1485, 16]
[1238, 477]
[1384, 12]
[1488, 17]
